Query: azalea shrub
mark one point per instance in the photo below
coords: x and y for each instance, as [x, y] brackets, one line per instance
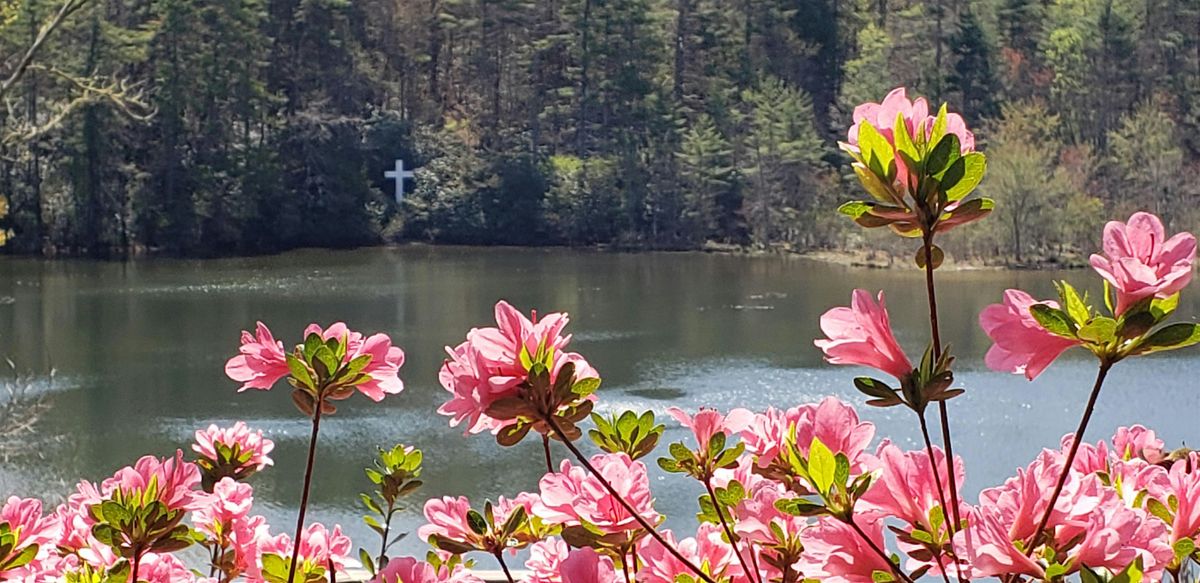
[805, 493]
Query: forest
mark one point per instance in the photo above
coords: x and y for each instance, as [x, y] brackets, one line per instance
[217, 127]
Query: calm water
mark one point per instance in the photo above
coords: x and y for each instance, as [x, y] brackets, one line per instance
[138, 349]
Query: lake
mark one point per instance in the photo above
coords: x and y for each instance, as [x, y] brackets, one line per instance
[138, 350]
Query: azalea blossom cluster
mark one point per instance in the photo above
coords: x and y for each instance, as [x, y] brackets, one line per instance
[140, 518]
[789, 495]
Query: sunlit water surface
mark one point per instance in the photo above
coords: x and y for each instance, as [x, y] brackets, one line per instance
[138, 351]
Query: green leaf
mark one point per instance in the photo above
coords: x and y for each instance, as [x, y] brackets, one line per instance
[939, 125]
[799, 507]
[1132, 574]
[943, 154]
[300, 372]
[1053, 320]
[1155, 508]
[904, 141]
[1161, 308]
[274, 566]
[1170, 337]
[874, 388]
[879, 576]
[961, 178]
[1073, 304]
[477, 523]
[21, 559]
[1054, 571]
[854, 209]
[679, 451]
[1100, 330]
[876, 149]
[842, 470]
[1184, 547]
[716, 445]
[821, 466]
[874, 185]
[586, 386]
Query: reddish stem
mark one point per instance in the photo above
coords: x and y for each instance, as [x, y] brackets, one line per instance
[729, 531]
[308, 471]
[1066, 469]
[653, 532]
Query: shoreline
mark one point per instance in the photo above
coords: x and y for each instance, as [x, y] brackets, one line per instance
[857, 258]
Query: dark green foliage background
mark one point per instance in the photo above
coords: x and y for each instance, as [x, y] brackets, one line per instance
[637, 123]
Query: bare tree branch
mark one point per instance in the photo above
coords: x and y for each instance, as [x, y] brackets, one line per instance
[126, 97]
[68, 8]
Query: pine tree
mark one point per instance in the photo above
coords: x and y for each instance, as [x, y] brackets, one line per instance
[971, 80]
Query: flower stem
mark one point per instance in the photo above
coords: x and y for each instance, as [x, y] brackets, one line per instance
[628, 507]
[137, 562]
[546, 450]
[941, 496]
[308, 471]
[503, 567]
[1066, 469]
[943, 415]
[729, 531]
[895, 568]
[952, 518]
[387, 527]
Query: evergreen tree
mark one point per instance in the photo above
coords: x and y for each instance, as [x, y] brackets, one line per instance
[972, 77]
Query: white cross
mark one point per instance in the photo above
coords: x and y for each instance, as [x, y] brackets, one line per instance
[399, 174]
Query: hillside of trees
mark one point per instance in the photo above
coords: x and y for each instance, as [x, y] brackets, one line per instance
[205, 127]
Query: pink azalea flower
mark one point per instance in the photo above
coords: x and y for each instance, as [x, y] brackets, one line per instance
[707, 550]
[709, 422]
[862, 335]
[1021, 344]
[319, 547]
[883, 116]
[988, 548]
[164, 568]
[261, 362]
[1021, 501]
[239, 439]
[23, 517]
[487, 366]
[835, 423]
[410, 570]
[905, 488]
[1135, 478]
[1139, 260]
[407, 570]
[76, 538]
[759, 521]
[386, 360]
[1114, 535]
[447, 517]
[835, 553]
[229, 503]
[174, 480]
[1137, 442]
[1181, 492]
[587, 566]
[573, 496]
[1090, 458]
[545, 560]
